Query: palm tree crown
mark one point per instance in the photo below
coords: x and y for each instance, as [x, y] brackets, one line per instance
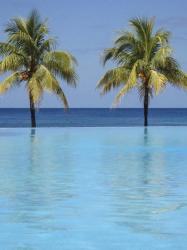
[30, 55]
[144, 60]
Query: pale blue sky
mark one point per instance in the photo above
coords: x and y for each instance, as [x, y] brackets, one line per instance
[85, 28]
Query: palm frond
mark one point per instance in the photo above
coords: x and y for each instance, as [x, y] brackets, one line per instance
[29, 51]
[61, 64]
[147, 55]
[11, 62]
[131, 83]
[143, 28]
[108, 54]
[35, 89]
[162, 37]
[7, 49]
[157, 81]
[15, 25]
[113, 79]
[160, 56]
[11, 81]
[48, 82]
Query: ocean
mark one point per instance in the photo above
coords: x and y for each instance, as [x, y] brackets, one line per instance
[93, 117]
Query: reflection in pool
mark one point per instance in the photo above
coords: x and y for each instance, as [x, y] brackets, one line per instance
[93, 188]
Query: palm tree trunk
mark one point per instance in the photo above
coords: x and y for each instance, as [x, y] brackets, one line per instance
[32, 112]
[146, 104]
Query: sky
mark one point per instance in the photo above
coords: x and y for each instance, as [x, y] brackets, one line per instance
[85, 28]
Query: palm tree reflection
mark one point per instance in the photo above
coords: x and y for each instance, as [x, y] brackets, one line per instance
[47, 181]
[33, 132]
[137, 180]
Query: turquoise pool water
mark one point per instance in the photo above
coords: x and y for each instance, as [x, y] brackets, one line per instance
[93, 188]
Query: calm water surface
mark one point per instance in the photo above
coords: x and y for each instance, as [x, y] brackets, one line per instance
[93, 117]
[93, 188]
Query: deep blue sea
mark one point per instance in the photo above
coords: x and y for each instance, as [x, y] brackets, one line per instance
[93, 117]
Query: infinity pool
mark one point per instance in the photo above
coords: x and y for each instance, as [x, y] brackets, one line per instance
[93, 188]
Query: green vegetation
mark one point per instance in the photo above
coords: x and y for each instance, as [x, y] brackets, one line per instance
[29, 54]
[143, 57]
[144, 61]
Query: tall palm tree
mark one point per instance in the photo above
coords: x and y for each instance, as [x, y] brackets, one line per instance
[29, 54]
[144, 60]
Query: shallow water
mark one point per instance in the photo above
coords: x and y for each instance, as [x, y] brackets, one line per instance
[93, 188]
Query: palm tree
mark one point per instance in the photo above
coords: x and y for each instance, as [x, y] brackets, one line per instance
[144, 60]
[29, 54]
